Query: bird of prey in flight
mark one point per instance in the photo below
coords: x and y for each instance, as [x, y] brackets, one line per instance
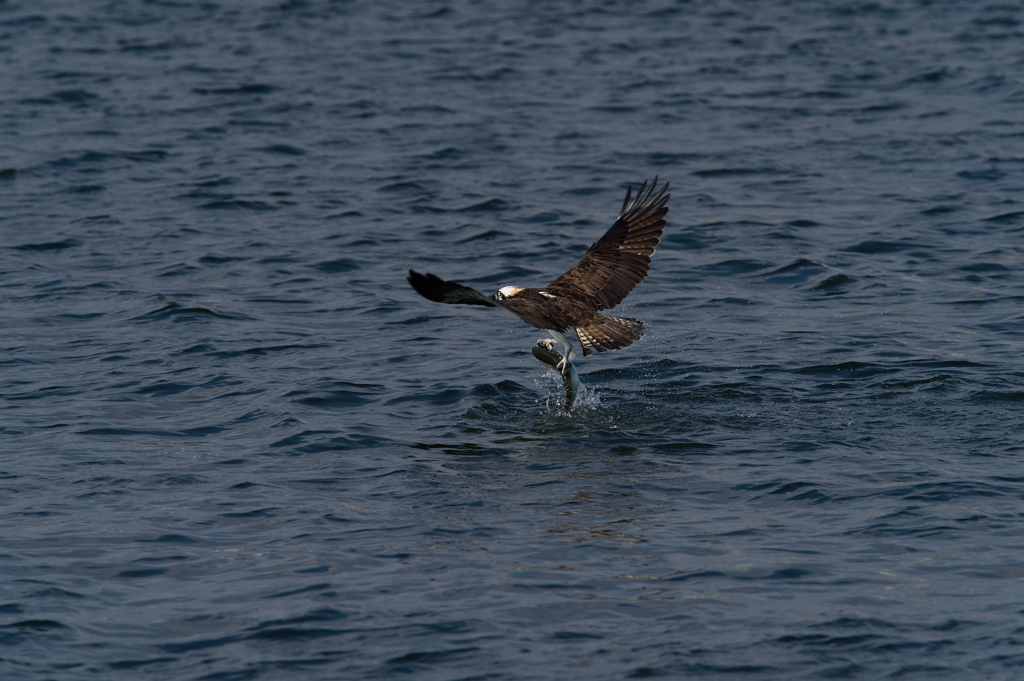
[605, 275]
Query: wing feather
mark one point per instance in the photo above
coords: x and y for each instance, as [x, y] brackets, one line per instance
[601, 332]
[544, 313]
[440, 291]
[620, 259]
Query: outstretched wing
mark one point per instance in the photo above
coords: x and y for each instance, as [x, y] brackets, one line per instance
[441, 291]
[620, 259]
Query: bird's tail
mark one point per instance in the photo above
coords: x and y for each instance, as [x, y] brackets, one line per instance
[602, 332]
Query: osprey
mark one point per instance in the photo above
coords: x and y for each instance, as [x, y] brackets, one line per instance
[605, 275]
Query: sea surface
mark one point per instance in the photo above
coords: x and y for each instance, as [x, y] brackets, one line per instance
[235, 444]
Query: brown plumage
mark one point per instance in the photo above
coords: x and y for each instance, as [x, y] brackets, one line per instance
[603, 277]
[621, 258]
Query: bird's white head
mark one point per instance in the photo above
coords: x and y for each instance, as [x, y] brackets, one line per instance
[506, 292]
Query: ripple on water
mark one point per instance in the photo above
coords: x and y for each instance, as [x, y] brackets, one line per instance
[227, 417]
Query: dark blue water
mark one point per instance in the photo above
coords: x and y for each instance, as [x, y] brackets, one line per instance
[236, 444]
